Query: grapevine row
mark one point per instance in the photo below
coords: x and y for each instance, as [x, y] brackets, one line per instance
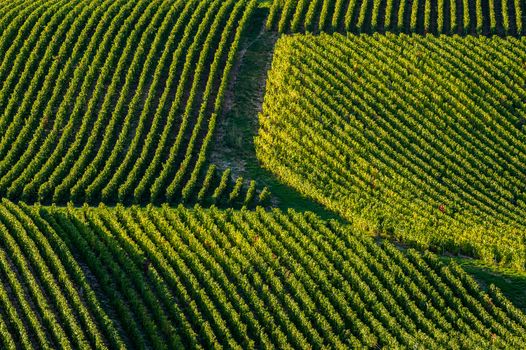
[199, 278]
[506, 17]
[114, 101]
[417, 138]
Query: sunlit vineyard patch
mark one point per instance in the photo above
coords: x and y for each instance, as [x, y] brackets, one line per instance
[172, 278]
[418, 138]
[466, 17]
[114, 101]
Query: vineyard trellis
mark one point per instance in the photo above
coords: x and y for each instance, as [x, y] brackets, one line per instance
[466, 17]
[110, 108]
[419, 138]
[176, 277]
[114, 101]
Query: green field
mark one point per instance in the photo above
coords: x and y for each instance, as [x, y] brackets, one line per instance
[114, 101]
[278, 174]
[419, 138]
[468, 17]
[167, 278]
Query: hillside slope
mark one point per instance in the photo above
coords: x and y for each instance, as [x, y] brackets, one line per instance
[466, 17]
[166, 278]
[417, 138]
[113, 101]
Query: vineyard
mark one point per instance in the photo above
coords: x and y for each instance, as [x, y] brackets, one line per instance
[435, 135]
[167, 278]
[262, 174]
[113, 101]
[503, 17]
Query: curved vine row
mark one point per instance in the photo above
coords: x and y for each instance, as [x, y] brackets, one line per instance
[114, 101]
[169, 278]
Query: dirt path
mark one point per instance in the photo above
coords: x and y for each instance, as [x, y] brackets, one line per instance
[238, 125]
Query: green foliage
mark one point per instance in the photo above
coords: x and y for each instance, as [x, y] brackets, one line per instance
[250, 193]
[264, 196]
[419, 16]
[235, 190]
[177, 277]
[221, 187]
[419, 139]
[113, 101]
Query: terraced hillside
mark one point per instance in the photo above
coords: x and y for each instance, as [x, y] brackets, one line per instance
[113, 101]
[420, 139]
[167, 278]
[503, 17]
